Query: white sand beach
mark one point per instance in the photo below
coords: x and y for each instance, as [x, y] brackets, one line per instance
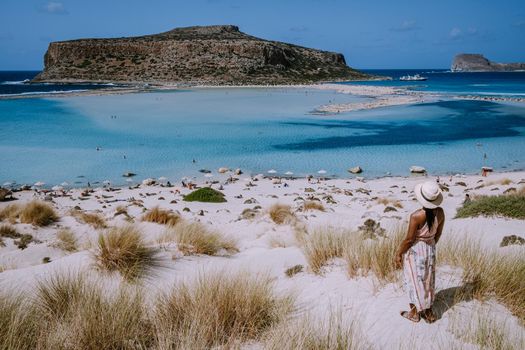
[267, 247]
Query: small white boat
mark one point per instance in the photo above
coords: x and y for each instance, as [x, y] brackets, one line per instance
[415, 77]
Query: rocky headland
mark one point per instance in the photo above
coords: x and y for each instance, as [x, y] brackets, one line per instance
[211, 55]
[467, 62]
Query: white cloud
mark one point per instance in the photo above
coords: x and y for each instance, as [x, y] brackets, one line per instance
[406, 26]
[54, 7]
[455, 33]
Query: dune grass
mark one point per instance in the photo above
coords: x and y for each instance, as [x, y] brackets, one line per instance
[324, 244]
[375, 256]
[389, 201]
[10, 213]
[19, 323]
[95, 220]
[313, 205]
[490, 273]
[281, 214]
[218, 309]
[123, 249]
[509, 205]
[66, 240]
[503, 182]
[196, 238]
[8, 231]
[38, 213]
[205, 194]
[72, 313]
[486, 330]
[161, 216]
[307, 333]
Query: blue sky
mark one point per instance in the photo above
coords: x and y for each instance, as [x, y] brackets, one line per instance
[371, 34]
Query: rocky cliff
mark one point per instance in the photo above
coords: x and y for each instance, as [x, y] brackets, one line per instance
[217, 55]
[466, 62]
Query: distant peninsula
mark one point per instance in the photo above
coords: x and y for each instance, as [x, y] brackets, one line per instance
[468, 62]
[202, 55]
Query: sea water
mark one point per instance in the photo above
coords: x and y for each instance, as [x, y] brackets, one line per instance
[175, 134]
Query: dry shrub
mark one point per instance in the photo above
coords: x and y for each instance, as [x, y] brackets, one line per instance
[489, 272]
[313, 205]
[324, 244]
[37, 213]
[196, 238]
[307, 333]
[10, 213]
[95, 220]
[389, 201]
[123, 249]
[364, 256]
[160, 216]
[218, 309]
[66, 240]
[281, 214]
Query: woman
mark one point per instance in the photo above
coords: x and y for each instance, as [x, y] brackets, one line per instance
[417, 252]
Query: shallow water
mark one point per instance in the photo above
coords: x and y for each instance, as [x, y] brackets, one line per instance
[159, 134]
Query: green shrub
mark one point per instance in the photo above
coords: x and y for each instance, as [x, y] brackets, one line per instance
[205, 194]
[512, 206]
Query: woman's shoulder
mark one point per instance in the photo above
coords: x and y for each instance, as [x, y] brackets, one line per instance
[418, 215]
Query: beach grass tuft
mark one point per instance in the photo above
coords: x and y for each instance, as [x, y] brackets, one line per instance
[19, 323]
[95, 220]
[390, 202]
[38, 213]
[376, 256]
[313, 205]
[218, 310]
[10, 213]
[161, 216]
[485, 329]
[205, 194]
[123, 249]
[8, 231]
[78, 314]
[196, 238]
[66, 240]
[489, 272]
[281, 214]
[509, 205]
[307, 333]
[324, 244]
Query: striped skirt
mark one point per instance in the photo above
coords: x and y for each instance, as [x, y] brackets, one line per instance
[420, 275]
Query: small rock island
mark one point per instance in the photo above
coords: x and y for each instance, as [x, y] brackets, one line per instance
[207, 55]
[468, 62]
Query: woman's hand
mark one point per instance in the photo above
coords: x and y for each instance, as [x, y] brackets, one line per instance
[398, 261]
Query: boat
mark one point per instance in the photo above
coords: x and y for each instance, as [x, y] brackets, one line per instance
[415, 77]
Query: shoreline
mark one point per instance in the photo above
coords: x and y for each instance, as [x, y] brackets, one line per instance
[230, 176]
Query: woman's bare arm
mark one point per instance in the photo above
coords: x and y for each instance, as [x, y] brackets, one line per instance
[414, 223]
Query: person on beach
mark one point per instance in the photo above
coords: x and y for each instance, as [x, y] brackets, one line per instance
[417, 252]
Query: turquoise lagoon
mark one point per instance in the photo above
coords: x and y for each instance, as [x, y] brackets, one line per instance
[161, 133]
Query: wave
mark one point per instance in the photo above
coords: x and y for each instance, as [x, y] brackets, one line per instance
[19, 82]
[53, 92]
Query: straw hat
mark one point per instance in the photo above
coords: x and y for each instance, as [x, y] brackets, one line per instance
[429, 194]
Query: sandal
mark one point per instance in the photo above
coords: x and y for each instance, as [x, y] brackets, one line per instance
[428, 318]
[406, 314]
